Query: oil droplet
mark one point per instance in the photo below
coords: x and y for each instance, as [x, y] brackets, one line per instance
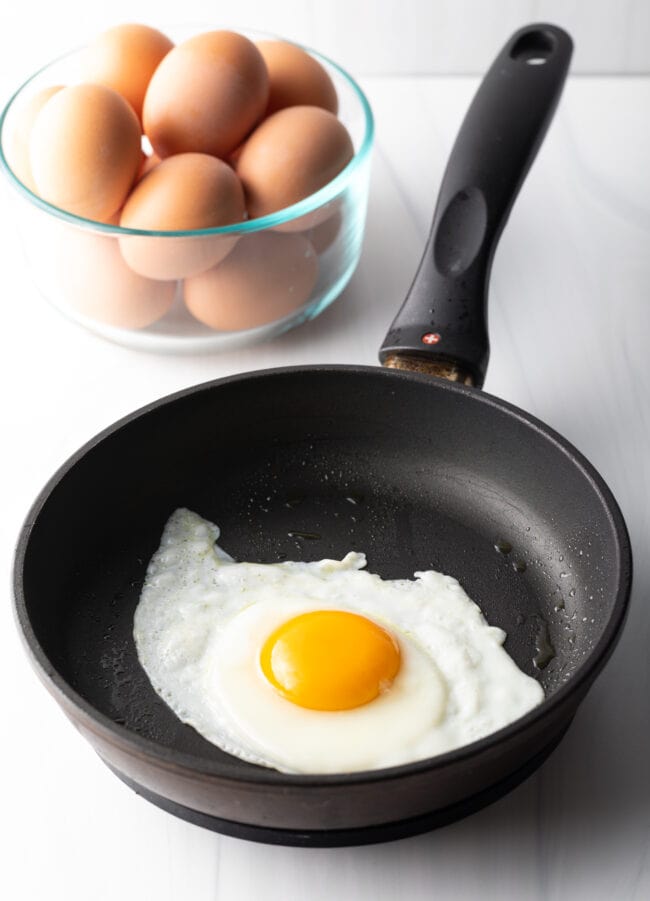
[543, 647]
[503, 547]
[307, 536]
[519, 566]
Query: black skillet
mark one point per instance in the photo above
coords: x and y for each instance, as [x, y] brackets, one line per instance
[308, 463]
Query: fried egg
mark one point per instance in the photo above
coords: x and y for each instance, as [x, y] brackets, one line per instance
[320, 667]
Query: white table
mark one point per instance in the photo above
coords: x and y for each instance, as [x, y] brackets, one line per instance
[570, 323]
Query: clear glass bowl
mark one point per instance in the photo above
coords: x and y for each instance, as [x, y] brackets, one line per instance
[277, 271]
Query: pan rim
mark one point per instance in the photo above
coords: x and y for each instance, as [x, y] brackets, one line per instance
[168, 758]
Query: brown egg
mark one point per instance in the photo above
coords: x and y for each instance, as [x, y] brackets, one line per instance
[184, 192]
[206, 95]
[84, 150]
[17, 149]
[234, 156]
[322, 236]
[296, 78]
[91, 277]
[124, 58]
[148, 163]
[266, 277]
[291, 155]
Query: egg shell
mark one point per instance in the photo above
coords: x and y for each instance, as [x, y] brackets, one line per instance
[22, 122]
[89, 275]
[296, 78]
[206, 95]
[292, 154]
[85, 150]
[184, 192]
[124, 58]
[266, 277]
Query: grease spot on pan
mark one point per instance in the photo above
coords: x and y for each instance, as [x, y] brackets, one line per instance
[544, 650]
[307, 536]
[502, 546]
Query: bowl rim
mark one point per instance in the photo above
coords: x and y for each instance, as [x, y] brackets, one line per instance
[297, 210]
[569, 694]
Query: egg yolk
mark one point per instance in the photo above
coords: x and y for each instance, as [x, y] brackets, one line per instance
[330, 660]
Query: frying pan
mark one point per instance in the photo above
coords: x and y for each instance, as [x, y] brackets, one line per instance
[306, 463]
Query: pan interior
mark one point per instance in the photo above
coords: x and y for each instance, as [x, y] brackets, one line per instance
[310, 465]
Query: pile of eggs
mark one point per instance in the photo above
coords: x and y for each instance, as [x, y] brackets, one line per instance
[155, 137]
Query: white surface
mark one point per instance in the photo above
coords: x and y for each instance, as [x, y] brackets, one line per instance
[370, 37]
[570, 319]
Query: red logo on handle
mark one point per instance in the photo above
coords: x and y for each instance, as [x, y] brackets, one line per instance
[431, 338]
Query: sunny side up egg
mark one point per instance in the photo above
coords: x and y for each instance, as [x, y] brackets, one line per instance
[320, 667]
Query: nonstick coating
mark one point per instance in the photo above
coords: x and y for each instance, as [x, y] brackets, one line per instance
[312, 463]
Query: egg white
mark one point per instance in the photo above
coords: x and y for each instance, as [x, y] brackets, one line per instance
[202, 620]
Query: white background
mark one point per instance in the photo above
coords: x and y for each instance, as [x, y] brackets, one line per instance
[369, 37]
[570, 322]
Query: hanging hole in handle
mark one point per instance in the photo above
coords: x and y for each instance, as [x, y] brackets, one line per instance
[533, 48]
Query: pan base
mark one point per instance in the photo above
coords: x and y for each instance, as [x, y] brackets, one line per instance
[340, 838]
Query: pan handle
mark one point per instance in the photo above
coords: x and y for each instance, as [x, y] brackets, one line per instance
[441, 327]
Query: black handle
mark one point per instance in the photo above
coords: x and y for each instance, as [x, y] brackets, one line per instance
[444, 315]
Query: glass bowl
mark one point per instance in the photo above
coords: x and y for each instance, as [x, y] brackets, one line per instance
[277, 271]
